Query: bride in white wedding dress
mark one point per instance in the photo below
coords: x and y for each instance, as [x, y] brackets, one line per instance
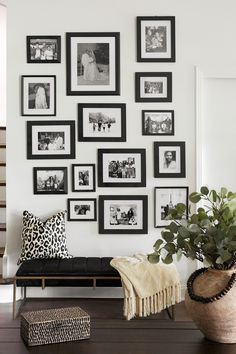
[92, 69]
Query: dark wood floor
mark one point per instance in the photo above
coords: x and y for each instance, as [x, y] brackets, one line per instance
[111, 334]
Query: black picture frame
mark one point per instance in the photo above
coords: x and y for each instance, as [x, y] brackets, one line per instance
[93, 178]
[73, 88]
[160, 50]
[163, 210]
[165, 83]
[103, 214]
[53, 184]
[102, 106]
[44, 40]
[34, 151]
[46, 99]
[155, 127]
[176, 166]
[130, 170]
[93, 202]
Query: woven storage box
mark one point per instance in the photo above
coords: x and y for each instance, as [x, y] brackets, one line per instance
[54, 326]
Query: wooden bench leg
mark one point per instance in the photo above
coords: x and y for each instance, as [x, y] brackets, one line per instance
[171, 312]
[15, 311]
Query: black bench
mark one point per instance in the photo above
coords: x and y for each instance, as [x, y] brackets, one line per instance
[78, 271]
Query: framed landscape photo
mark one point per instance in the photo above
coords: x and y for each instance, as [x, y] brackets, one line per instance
[43, 49]
[38, 95]
[50, 180]
[83, 178]
[169, 159]
[102, 122]
[166, 198]
[123, 214]
[82, 209]
[93, 63]
[51, 139]
[121, 167]
[158, 122]
[153, 87]
[156, 39]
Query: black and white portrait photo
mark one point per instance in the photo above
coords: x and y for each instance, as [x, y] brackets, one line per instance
[50, 139]
[121, 167]
[156, 39]
[158, 122]
[93, 63]
[83, 178]
[50, 180]
[165, 199]
[169, 159]
[43, 49]
[102, 122]
[153, 87]
[38, 95]
[82, 209]
[122, 214]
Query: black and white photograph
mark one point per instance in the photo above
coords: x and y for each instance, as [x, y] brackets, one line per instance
[156, 39]
[102, 122]
[153, 87]
[43, 49]
[81, 209]
[157, 122]
[93, 63]
[83, 178]
[123, 214]
[50, 180]
[121, 167]
[38, 95]
[169, 159]
[50, 139]
[165, 199]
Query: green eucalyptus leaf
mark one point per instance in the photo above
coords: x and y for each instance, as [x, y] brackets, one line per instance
[157, 244]
[225, 255]
[213, 195]
[168, 259]
[195, 197]
[204, 190]
[223, 192]
[167, 236]
[194, 228]
[154, 258]
[173, 227]
[231, 196]
[194, 219]
[180, 207]
[184, 232]
[201, 210]
[179, 255]
[170, 247]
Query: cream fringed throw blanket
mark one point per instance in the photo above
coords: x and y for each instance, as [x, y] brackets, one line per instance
[148, 288]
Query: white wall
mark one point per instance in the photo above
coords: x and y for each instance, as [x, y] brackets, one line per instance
[204, 35]
[3, 14]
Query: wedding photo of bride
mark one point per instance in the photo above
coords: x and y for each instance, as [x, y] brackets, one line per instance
[93, 63]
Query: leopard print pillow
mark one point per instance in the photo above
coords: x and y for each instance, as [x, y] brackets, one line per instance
[43, 239]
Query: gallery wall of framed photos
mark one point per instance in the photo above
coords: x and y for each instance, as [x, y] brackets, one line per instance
[102, 116]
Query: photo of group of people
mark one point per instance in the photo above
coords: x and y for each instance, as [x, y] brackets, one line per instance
[153, 87]
[93, 63]
[39, 95]
[43, 49]
[122, 168]
[50, 181]
[101, 123]
[123, 214]
[155, 39]
[157, 123]
[81, 209]
[51, 141]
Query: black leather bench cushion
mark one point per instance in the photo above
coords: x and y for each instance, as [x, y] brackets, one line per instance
[77, 266]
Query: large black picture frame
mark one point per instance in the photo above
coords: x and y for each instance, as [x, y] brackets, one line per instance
[81, 123]
[149, 97]
[175, 169]
[33, 151]
[129, 180]
[71, 82]
[103, 215]
[51, 189]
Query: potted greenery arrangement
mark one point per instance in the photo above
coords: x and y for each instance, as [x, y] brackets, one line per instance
[209, 236]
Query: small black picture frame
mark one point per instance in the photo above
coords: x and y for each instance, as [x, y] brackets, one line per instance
[102, 122]
[83, 177]
[166, 198]
[93, 68]
[82, 209]
[38, 95]
[122, 168]
[123, 214]
[51, 139]
[50, 180]
[43, 49]
[169, 159]
[156, 39]
[158, 122]
[153, 87]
